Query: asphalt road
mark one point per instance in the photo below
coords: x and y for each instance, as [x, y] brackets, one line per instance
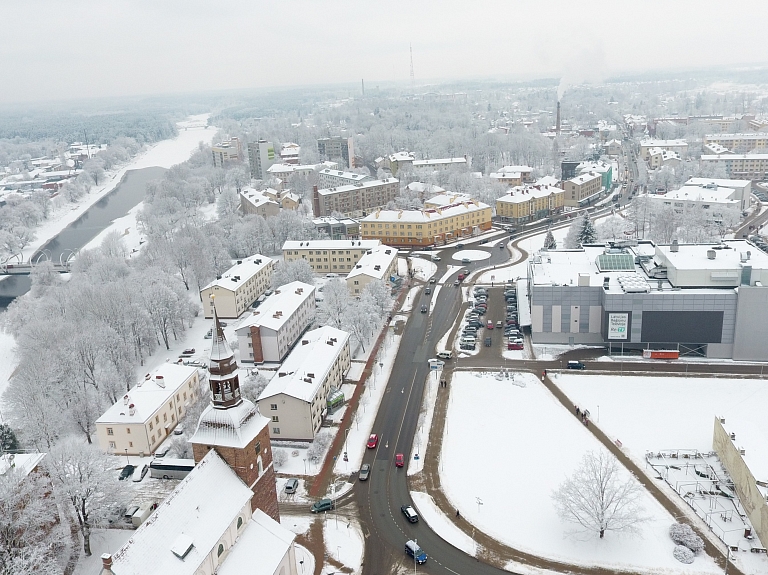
[379, 499]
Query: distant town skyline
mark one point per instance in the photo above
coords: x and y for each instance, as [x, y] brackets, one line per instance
[53, 51]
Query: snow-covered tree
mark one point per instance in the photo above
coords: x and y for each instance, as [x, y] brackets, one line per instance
[84, 476]
[582, 231]
[379, 297]
[228, 205]
[550, 243]
[8, 441]
[613, 228]
[683, 534]
[597, 499]
[335, 302]
[291, 271]
[252, 387]
[360, 319]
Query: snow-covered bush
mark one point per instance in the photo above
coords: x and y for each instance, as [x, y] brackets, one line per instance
[320, 445]
[683, 554]
[279, 457]
[682, 534]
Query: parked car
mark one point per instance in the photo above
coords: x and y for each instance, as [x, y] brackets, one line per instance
[480, 310]
[445, 354]
[515, 345]
[475, 324]
[127, 472]
[410, 513]
[576, 365]
[139, 474]
[373, 441]
[209, 335]
[399, 460]
[291, 486]
[467, 346]
[365, 471]
[322, 505]
[179, 429]
[424, 308]
[163, 450]
[488, 342]
[189, 351]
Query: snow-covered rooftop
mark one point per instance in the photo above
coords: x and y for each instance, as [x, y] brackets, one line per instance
[439, 162]
[701, 194]
[594, 167]
[23, 463]
[584, 178]
[279, 307]
[374, 263]
[256, 198]
[264, 543]
[721, 182]
[241, 272]
[734, 156]
[331, 244]
[520, 194]
[232, 427]
[447, 198]
[306, 367]
[421, 216]
[651, 143]
[401, 157]
[694, 256]
[548, 181]
[351, 176]
[421, 187]
[200, 509]
[716, 149]
[514, 169]
[148, 395]
[357, 186]
[739, 136]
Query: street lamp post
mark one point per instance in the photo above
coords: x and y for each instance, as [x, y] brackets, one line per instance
[305, 466]
[127, 461]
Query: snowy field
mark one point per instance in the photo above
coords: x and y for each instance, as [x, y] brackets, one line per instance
[344, 543]
[419, 446]
[527, 438]
[440, 524]
[472, 255]
[655, 413]
[423, 269]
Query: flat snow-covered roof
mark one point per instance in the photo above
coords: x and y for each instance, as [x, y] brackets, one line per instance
[520, 194]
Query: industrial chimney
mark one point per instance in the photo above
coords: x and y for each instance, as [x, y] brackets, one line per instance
[557, 121]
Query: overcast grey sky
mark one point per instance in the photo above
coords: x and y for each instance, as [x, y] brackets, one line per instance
[64, 49]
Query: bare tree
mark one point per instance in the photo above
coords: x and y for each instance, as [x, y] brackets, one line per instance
[597, 499]
[85, 477]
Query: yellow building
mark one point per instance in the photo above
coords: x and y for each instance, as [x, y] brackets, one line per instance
[530, 203]
[328, 256]
[583, 189]
[139, 422]
[738, 143]
[435, 226]
[238, 287]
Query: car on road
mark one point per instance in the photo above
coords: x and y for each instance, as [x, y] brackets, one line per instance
[322, 505]
[424, 308]
[373, 441]
[461, 277]
[432, 280]
[291, 486]
[127, 472]
[399, 460]
[187, 352]
[427, 290]
[445, 354]
[576, 365]
[410, 513]
[456, 283]
[457, 246]
[489, 325]
[488, 342]
[502, 246]
[466, 261]
[435, 258]
[465, 272]
[365, 471]
[413, 550]
[499, 324]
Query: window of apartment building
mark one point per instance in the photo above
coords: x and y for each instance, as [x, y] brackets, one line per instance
[157, 418]
[275, 419]
[150, 426]
[128, 430]
[165, 417]
[273, 406]
[112, 445]
[153, 439]
[130, 444]
[110, 431]
[276, 430]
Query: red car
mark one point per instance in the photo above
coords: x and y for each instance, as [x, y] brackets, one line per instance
[515, 345]
[399, 460]
[489, 325]
[461, 277]
[373, 441]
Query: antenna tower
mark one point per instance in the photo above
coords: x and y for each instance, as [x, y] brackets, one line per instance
[413, 78]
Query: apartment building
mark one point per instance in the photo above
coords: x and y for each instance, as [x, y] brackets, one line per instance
[337, 147]
[259, 203]
[285, 171]
[741, 166]
[227, 151]
[328, 256]
[427, 227]
[658, 157]
[739, 143]
[513, 175]
[396, 161]
[338, 229]
[289, 153]
[583, 189]
[296, 397]
[742, 188]
[261, 156]
[613, 147]
[679, 146]
[238, 287]
[718, 204]
[603, 168]
[440, 164]
[328, 178]
[530, 203]
[377, 264]
[268, 334]
[144, 417]
[355, 200]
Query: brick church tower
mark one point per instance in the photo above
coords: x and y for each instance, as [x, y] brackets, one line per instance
[235, 429]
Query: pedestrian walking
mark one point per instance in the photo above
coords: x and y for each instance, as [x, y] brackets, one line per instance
[457, 513]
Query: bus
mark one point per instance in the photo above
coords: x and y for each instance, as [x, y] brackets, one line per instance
[171, 468]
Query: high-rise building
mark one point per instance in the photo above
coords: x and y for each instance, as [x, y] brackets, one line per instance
[261, 155]
[337, 147]
[227, 151]
[234, 428]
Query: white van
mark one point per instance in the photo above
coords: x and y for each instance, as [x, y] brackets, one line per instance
[141, 514]
[468, 339]
[445, 354]
[435, 258]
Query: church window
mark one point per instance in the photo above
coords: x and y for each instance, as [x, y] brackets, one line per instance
[220, 550]
[257, 447]
[239, 522]
[260, 464]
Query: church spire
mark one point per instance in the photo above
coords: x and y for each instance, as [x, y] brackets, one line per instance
[222, 370]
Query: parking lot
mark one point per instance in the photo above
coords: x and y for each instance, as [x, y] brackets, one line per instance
[491, 322]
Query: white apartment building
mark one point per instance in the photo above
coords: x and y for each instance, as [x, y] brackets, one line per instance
[296, 397]
[285, 171]
[379, 263]
[719, 204]
[742, 166]
[227, 151]
[139, 422]
[440, 164]
[679, 146]
[238, 287]
[582, 189]
[742, 188]
[658, 157]
[328, 256]
[328, 178]
[513, 175]
[261, 156]
[268, 334]
[739, 143]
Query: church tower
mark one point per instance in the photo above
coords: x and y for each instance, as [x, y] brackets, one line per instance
[235, 429]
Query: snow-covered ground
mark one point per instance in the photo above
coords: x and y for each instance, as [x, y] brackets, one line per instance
[102, 541]
[423, 269]
[420, 445]
[433, 301]
[451, 270]
[440, 524]
[344, 543]
[7, 361]
[471, 255]
[530, 444]
[410, 298]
